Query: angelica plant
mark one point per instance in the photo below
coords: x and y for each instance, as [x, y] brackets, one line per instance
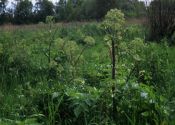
[112, 25]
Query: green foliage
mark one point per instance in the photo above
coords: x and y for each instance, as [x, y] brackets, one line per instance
[74, 87]
[147, 59]
[133, 31]
[139, 101]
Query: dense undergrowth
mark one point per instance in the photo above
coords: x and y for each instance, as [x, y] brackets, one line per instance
[62, 76]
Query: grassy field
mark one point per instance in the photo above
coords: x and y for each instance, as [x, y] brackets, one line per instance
[61, 75]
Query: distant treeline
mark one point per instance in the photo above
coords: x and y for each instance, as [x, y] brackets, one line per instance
[25, 12]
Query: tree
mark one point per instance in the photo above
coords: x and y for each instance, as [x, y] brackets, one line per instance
[131, 8]
[23, 12]
[69, 10]
[43, 8]
[60, 10]
[2, 6]
[103, 6]
[112, 25]
[2, 11]
[162, 18]
[140, 8]
[88, 10]
[77, 5]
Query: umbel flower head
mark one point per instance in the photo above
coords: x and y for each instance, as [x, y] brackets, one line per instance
[89, 40]
[113, 21]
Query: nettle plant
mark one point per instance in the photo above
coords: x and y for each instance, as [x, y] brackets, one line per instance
[112, 25]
